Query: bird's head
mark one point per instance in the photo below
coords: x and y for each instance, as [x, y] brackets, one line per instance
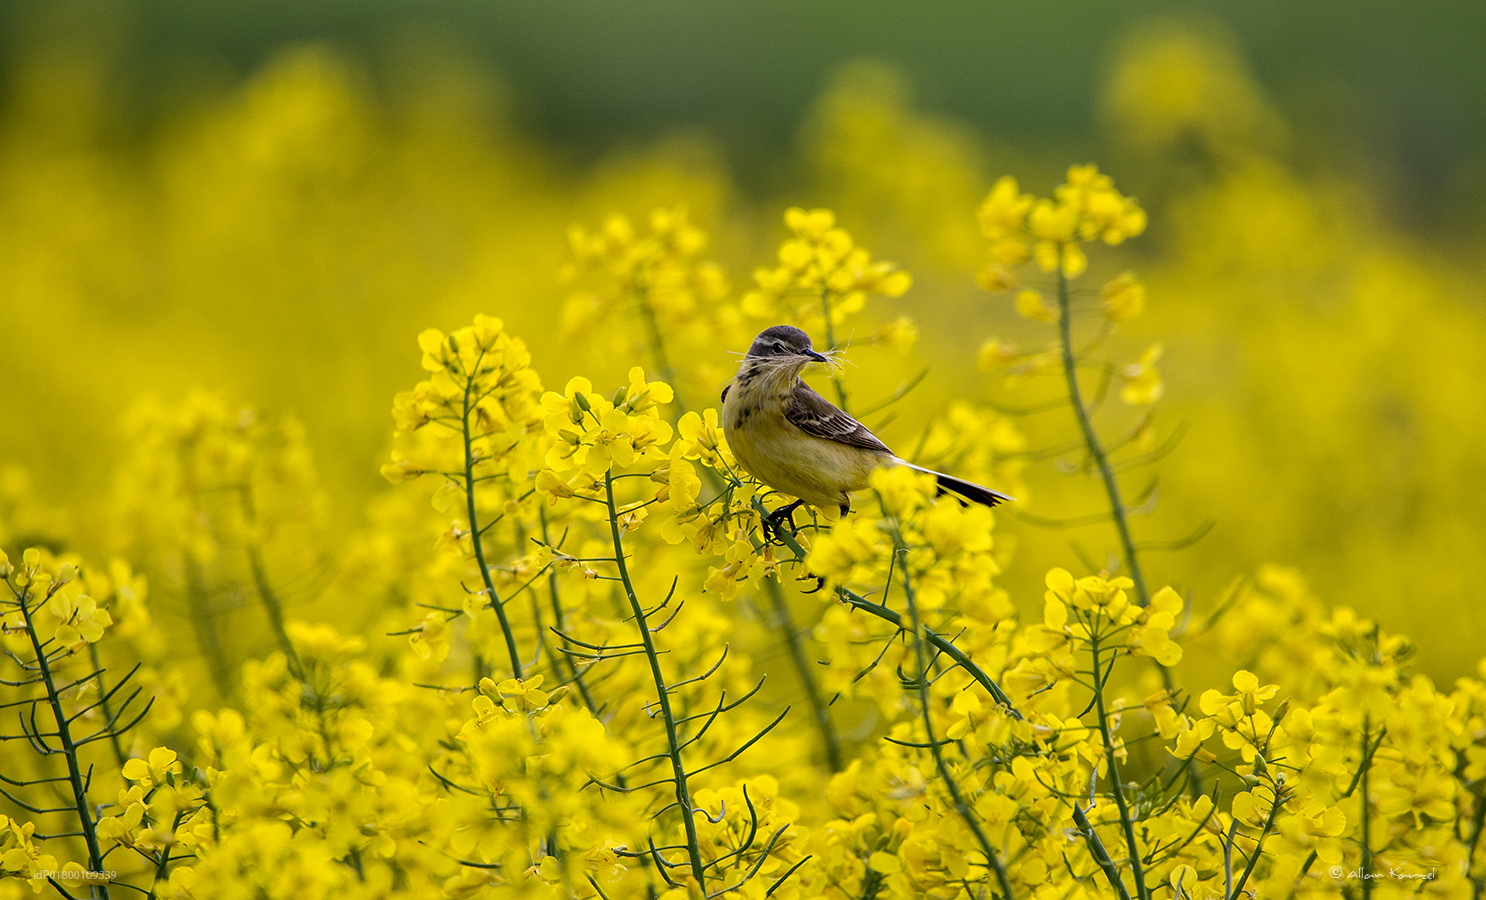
[784, 346]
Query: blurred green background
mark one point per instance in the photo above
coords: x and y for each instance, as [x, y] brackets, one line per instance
[1398, 89]
[273, 198]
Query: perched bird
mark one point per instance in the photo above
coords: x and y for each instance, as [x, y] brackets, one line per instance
[792, 439]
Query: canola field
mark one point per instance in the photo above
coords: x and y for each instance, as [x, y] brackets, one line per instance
[367, 528]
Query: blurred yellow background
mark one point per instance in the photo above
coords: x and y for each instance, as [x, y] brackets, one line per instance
[278, 218]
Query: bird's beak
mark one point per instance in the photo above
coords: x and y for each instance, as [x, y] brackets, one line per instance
[818, 357]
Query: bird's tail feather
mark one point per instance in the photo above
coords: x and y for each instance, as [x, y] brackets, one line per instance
[948, 484]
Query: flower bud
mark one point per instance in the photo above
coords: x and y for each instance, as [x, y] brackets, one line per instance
[1279, 713]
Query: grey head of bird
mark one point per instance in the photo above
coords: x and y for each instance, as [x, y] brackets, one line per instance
[785, 346]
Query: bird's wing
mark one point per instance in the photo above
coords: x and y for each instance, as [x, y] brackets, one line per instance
[815, 415]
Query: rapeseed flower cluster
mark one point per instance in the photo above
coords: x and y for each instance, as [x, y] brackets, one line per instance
[822, 276]
[216, 501]
[1324, 320]
[624, 752]
[822, 279]
[652, 291]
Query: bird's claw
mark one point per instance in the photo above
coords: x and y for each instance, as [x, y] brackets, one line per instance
[786, 513]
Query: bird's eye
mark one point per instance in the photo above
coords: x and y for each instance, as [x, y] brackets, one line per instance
[779, 347]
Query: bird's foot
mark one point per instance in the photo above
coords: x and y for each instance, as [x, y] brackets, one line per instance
[784, 513]
[820, 583]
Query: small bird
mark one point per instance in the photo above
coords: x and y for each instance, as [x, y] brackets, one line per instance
[793, 440]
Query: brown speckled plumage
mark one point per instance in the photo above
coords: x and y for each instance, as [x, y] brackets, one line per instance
[795, 441]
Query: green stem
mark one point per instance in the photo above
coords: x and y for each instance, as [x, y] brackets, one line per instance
[274, 608]
[162, 865]
[658, 349]
[1274, 813]
[784, 622]
[204, 623]
[1478, 819]
[1366, 844]
[69, 749]
[993, 862]
[1101, 855]
[1091, 439]
[469, 495]
[559, 620]
[577, 676]
[662, 692]
[784, 618]
[1111, 485]
[1367, 756]
[943, 644]
[825, 303]
[796, 644]
[103, 705]
[1126, 821]
[266, 593]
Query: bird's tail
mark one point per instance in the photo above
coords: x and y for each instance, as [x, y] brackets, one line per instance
[948, 484]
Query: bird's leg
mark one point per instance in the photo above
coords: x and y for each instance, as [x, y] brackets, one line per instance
[785, 513]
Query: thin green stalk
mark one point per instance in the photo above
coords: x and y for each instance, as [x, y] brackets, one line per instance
[1126, 821]
[657, 344]
[275, 609]
[1478, 819]
[1101, 855]
[1368, 752]
[784, 617]
[162, 865]
[784, 622]
[993, 862]
[266, 593]
[821, 712]
[825, 303]
[1366, 843]
[475, 530]
[662, 692]
[576, 676]
[940, 642]
[103, 706]
[796, 644]
[204, 623]
[1228, 857]
[203, 617]
[559, 620]
[69, 749]
[1111, 485]
[1274, 813]
[1091, 440]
